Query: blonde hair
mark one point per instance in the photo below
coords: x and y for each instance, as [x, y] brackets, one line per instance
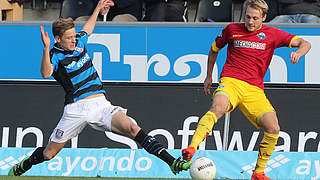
[61, 25]
[257, 4]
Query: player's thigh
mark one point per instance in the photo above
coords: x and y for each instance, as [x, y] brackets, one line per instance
[104, 116]
[255, 105]
[124, 125]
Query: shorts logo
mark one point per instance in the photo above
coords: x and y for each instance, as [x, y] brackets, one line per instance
[222, 86]
[59, 133]
[113, 110]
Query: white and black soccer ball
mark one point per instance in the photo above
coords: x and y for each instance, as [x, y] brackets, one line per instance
[203, 168]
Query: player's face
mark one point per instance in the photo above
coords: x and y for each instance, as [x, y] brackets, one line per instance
[253, 19]
[68, 39]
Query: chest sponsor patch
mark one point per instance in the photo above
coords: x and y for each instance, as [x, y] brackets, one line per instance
[248, 44]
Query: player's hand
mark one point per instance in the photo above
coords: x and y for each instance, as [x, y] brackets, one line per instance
[45, 38]
[294, 56]
[104, 6]
[207, 85]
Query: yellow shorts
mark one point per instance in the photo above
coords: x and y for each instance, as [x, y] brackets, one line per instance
[250, 99]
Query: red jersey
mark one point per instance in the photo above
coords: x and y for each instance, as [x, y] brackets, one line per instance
[249, 53]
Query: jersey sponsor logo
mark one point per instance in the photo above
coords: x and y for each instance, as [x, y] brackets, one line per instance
[252, 45]
[83, 60]
[59, 133]
[261, 36]
[71, 64]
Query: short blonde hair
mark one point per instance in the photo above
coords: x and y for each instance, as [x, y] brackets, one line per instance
[61, 25]
[257, 4]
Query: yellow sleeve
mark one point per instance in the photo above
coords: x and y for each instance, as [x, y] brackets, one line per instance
[295, 37]
[214, 47]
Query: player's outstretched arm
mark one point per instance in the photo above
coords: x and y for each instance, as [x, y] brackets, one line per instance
[303, 48]
[46, 67]
[212, 57]
[103, 6]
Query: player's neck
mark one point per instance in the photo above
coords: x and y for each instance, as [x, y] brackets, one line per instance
[245, 26]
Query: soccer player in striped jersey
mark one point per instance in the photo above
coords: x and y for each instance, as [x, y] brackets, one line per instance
[85, 101]
[250, 49]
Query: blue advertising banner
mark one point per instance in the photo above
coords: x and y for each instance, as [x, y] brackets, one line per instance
[151, 53]
[139, 164]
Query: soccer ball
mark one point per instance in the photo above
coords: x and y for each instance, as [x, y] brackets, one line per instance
[203, 168]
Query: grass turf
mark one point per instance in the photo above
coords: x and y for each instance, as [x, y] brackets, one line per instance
[66, 178]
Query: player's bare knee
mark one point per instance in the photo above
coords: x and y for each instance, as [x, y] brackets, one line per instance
[218, 110]
[275, 129]
[131, 129]
[134, 129]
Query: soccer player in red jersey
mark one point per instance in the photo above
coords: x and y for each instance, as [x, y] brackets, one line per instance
[250, 49]
[70, 65]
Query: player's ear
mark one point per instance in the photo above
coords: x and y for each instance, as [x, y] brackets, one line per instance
[57, 38]
[264, 17]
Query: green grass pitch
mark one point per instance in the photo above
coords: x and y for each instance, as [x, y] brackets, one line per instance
[67, 178]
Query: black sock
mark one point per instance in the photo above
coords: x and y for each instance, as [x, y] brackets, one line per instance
[152, 146]
[35, 158]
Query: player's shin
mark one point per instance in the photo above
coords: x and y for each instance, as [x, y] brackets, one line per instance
[35, 158]
[204, 128]
[152, 146]
[266, 148]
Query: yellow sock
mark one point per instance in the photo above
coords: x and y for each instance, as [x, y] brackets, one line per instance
[204, 127]
[266, 148]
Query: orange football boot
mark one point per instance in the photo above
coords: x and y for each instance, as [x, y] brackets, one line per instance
[188, 153]
[259, 176]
